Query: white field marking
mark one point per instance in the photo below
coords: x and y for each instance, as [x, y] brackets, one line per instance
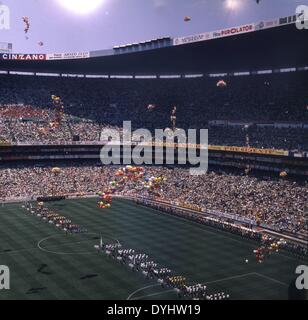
[52, 246]
[141, 289]
[39, 245]
[231, 278]
[59, 252]
[206, 283]
[153, 294]
[272, 279]
[158, 293]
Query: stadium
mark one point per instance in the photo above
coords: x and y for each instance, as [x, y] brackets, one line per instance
[74, 226]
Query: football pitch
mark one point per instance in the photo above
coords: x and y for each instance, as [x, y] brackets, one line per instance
[45, 263]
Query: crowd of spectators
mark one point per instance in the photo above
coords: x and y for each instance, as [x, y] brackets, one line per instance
[27, 113]
[90, 105]
[260, 137]
[279, 203]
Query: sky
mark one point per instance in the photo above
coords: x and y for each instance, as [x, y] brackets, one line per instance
[114, 22]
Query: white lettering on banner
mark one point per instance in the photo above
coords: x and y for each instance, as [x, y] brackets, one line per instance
[302, 11]
[260, 26]
[69, 55]
[191, 39]
[271, 23]
[216, 34]
[18, 56]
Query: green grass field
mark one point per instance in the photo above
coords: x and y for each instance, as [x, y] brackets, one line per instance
[47, 264]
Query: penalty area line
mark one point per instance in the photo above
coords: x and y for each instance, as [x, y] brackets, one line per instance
[205, 283]
[172, 290]
[271, 279]
[141, 289]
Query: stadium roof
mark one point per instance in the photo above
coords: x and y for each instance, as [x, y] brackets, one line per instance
[268, 48]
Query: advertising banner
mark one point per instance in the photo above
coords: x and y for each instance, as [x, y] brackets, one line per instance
[229, 31]
[191, 39]
[271, 23]
[214, 34]
[233, 31]
[68, 55]
[250, 150]
[22, 56]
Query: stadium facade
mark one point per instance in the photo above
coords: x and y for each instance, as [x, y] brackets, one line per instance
[275, 44]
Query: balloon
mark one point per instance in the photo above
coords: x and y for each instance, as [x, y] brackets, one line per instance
[26, 23]
[105, 201]
[221, 84]
[119, 173]
[59, 108]
[151, 107]
[138, 180]
[56, 170]
[283, 174]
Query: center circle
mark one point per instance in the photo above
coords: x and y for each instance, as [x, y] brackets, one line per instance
[97, 238]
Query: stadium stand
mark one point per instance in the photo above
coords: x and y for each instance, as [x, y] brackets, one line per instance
[265, 110]
[271, 109]
[279, 203]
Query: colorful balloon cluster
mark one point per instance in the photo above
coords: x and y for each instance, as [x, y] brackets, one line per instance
[137, 178]
[59, 108]
[130, 173]
[57, 102]
[268, 247]
[27, 24]
[260, 254]
[125, 175]
[173, 118]
[105, 201]
[154, 185]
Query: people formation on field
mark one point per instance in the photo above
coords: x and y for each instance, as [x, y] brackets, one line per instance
[52, 217]
[141, 262]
